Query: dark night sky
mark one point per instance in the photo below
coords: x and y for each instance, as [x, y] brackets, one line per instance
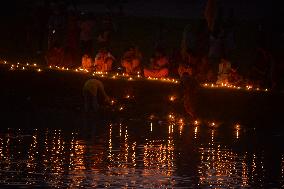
[244, 9]
[251, 9]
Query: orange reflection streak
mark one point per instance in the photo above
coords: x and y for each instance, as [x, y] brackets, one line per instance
[195, 132]
[245, 175]
[77, 165]
[220, 167]
[31, 163]
[54, 158]
[159, 158]
[237, 129]
[282, 171]
[2, 155]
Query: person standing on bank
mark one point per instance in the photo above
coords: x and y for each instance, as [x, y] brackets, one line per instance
[92, 89]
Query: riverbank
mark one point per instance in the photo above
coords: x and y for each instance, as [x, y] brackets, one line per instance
[55, 97]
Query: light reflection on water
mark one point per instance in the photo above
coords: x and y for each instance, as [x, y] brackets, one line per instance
[148, 155]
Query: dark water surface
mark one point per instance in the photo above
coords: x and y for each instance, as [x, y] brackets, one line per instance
[141, 154]
[47, 142]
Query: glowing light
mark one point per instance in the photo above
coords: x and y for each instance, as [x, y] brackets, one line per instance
[196, 122]
[171, 117]
[237, 128]
[39, 70]
[121, 108]
[151, 116]
[170, 80]
[151, 126]
[195, 132]
[172, 98]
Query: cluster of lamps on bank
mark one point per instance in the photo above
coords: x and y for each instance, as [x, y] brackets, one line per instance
[34, 66]
[171, 118]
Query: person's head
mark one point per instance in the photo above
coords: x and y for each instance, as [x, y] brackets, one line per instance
[159, 52]
[103, 50]
[130, 48]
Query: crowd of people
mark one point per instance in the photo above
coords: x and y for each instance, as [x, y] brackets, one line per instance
[205, 52]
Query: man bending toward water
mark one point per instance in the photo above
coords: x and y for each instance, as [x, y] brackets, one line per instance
[91, 90]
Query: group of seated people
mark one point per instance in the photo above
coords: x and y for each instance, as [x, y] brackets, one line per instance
[130, 61]
[102, 63]
[159, 64]
[159, 67]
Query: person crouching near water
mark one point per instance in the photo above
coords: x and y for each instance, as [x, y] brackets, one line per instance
[190, 88]
[92, 90]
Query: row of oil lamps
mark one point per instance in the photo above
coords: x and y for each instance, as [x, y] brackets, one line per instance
[38, 68]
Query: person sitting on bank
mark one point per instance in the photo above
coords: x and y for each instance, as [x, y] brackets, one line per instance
[131, 60]
[92, 90]
[104, 60]
[158, 66]
[224, 72]
[87, 62]
[189, 64]
[54, 55]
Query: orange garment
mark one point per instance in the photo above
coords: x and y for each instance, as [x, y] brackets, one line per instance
[103, 61]
[54, 56]
[156, 73]
[86, 62]
[131, 61]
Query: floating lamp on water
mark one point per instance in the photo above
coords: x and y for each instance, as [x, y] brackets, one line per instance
[196, 122]
[237, 128]
[181, 122]
[172, 98]
[171, 117]
[112, 102]
[152, 116]
[213, 124]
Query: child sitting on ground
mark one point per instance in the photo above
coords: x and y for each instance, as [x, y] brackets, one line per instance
[103, 61]
[87, 62]
[158, 67]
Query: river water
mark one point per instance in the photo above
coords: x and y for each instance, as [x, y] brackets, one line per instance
[46, 141]
[137, 153]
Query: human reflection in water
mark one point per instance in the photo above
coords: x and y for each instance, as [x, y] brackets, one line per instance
[190, 89]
